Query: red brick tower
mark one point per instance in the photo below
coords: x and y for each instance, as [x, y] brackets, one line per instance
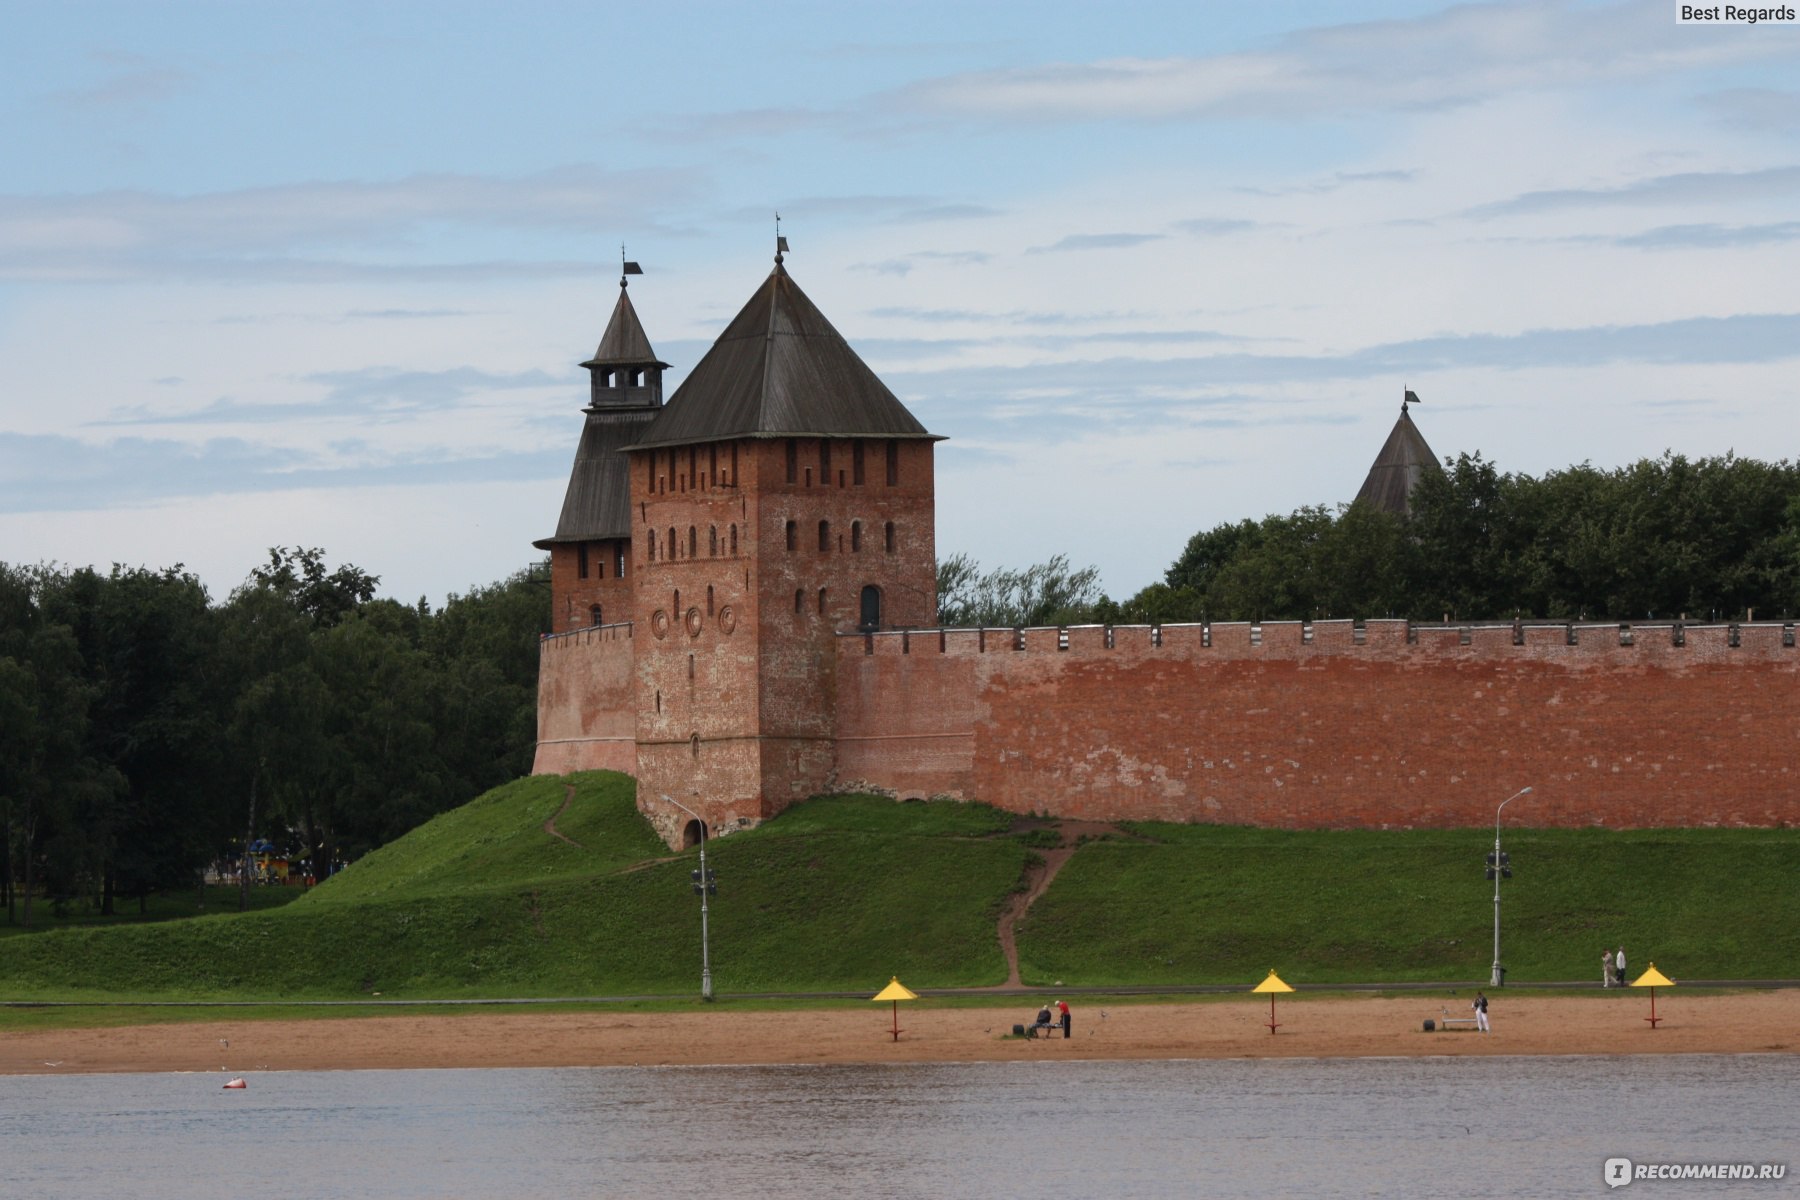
[591, 551]
[784, 494]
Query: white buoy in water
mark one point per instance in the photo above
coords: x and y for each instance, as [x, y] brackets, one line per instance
[236, 1083]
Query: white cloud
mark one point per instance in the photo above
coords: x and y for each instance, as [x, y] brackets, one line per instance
[1460, 55]
[328, 230]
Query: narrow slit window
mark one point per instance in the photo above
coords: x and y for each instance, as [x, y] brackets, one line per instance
[888, 533]
[855, 536]
[856, 463]
[824, 537]
[791, 535]
[893, 463]
[793, 459]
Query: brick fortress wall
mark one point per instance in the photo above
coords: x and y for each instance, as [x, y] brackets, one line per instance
[587, 715]
[1331, 724]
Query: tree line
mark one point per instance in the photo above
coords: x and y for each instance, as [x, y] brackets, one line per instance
[1705, 539]
[149, 731]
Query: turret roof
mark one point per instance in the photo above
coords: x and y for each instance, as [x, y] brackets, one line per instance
[1403, 461]
[780, 370]
[624, 343]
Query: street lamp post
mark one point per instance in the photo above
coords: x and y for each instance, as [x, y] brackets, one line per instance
[703, 883]
[1498, 867]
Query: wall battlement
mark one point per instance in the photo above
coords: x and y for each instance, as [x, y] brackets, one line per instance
[1590, 642]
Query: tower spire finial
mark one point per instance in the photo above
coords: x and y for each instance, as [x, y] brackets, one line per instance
[626, 268]
[780, 242]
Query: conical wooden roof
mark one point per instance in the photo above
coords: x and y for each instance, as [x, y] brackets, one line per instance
[624, 343]
[1403, 461]
[780, 370]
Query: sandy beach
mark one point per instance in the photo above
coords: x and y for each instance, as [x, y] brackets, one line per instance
[1323, 1027]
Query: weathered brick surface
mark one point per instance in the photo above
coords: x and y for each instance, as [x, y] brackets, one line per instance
[586, 702]
[574, 595]
[1285, 726]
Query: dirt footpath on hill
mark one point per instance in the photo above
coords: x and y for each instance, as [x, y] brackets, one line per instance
[1322, 1027]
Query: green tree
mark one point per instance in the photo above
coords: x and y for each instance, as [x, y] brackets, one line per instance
[1049, 593]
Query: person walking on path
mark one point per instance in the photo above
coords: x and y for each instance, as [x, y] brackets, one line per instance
[1606, 968]
[1619, 966]
[1062, 1006]
[1480, 1007]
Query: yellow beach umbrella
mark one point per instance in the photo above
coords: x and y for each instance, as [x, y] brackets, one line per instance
[895, 991]
[1271, 985]
[1653, 979]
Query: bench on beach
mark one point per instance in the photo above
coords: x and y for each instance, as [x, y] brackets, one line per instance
[1036, 1031]
[1432, 1023]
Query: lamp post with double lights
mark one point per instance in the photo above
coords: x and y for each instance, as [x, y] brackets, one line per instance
[1498, 868]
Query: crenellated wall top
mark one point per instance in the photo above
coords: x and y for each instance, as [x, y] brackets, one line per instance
[1573, 640]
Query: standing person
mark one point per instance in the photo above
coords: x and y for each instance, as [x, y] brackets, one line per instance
[1480, 1007]
[1619, 966]
[1062, 1006]
[1606, 968]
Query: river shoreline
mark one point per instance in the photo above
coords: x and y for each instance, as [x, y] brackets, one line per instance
[1309, 1027]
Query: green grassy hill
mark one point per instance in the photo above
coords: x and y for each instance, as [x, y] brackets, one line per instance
[483, 902]
[841, 892]
[1200, 903]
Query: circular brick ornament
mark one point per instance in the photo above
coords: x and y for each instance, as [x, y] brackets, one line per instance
[727, 619]
[659, 623]
[693, 622]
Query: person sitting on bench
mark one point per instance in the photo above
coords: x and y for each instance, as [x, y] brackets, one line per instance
[1043, 1022]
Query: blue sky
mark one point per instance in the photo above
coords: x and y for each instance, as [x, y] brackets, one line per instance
[322, 274]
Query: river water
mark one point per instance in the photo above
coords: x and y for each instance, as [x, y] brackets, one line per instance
[1232, 1128]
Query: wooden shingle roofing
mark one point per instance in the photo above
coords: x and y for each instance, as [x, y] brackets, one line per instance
[780, 370]
[1403, 461]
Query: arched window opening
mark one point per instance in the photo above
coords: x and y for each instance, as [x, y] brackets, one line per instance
[694, 833]
[674, 545]
[581, 560]
[855, 536]
[869, 617]
[709, 600]
[821, 602]
[594, 612]
[790, 535]
[824, 536]
[734, 540]
[694, 745]
[619, 559]
[651, 547]
[889, 533]
[712, 540]
[693, 542]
